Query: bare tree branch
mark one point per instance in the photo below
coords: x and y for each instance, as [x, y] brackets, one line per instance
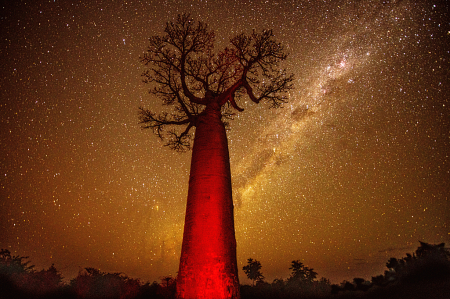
[186, 73]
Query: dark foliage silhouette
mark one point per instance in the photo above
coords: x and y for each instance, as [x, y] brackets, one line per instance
[18, 277]
[11, 265]
[361, 284]
[423, 274]
[301, 274]
[252, 270]
[302, 283]
[429, 262]
[92, 283]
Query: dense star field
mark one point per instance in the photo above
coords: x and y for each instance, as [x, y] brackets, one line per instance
[355, 169]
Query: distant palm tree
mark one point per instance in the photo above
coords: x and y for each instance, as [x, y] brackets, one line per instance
[252, 270]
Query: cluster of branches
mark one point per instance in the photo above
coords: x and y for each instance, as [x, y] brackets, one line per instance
[187, 74]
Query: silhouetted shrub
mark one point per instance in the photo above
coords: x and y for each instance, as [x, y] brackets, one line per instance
[94, 284]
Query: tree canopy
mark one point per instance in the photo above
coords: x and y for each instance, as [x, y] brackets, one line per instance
[301, 273]
[253, 270]
[187, 74]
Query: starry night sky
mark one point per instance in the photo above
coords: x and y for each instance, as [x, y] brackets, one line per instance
[352, 171]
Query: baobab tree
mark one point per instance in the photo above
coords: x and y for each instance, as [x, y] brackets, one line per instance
[200, 86]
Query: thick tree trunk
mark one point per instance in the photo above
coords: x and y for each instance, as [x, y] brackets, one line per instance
[208, 267]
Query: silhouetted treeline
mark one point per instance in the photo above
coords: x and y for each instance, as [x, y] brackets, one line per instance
[19, 280]
[423, 274]
[302, 283]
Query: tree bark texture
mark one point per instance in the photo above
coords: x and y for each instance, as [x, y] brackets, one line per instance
[208, 267]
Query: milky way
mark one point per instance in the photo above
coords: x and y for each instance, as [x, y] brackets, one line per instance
[354, 169]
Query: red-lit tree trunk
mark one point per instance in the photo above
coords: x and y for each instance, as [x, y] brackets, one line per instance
[208, 267]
